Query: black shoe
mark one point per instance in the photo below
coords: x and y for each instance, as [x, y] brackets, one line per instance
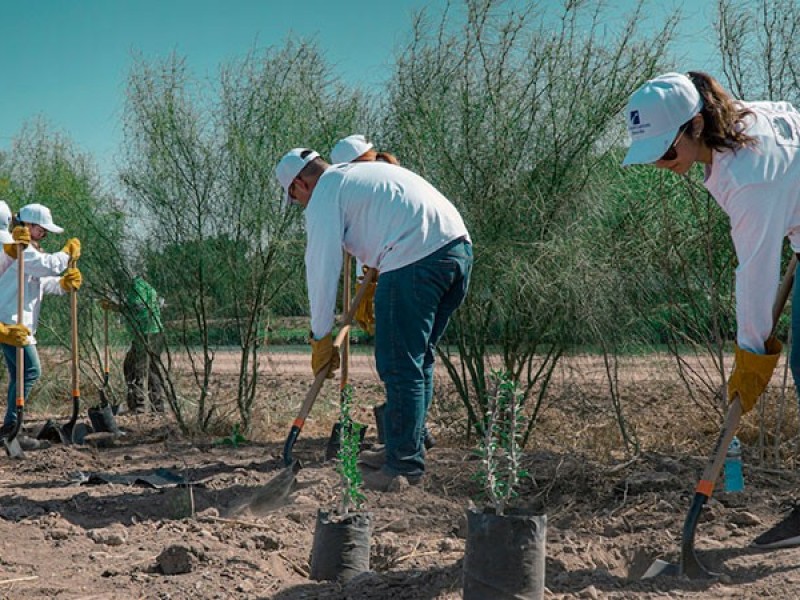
[784, 534]
[6, 430]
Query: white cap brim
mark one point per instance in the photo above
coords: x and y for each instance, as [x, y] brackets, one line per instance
[52, 228]
[5, 238]
[649, 150]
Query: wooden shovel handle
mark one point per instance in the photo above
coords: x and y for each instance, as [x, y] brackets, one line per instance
[20, 395]
[73, 314]
[311, 395]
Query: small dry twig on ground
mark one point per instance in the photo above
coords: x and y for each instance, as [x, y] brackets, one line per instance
[210, 519]
[17, 579]
[297, 568]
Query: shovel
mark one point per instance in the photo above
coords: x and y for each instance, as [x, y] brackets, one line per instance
[689, 564]
[102, 417]
[73, 432]
[311, 395]
[13, 449]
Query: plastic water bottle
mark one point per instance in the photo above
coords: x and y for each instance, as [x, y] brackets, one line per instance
[734, 480]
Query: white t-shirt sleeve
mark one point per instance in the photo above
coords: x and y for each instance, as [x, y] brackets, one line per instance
[323, 255]
[52, 286]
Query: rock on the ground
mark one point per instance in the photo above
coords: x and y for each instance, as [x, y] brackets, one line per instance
[176, 559]
[108, 536]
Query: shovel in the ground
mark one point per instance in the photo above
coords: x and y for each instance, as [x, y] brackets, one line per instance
[11, 443]
[311, 396]
[102, 416]
[73, 432]
[689, 564]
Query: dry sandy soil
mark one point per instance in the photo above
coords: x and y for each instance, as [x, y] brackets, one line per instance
[608, 514]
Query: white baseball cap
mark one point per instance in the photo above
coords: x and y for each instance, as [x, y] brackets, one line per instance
[655, 113]
[290, 166]
[39, 214]
[5, 221]
[350, 148]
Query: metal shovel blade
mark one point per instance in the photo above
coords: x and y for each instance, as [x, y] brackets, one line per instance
[689, 565]
[13, 449]
[79, 433]
[661, 568]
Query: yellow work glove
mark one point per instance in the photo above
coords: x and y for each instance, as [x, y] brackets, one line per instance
[322, 353]
[365, 311]
[73, 248]
[21, 235]
[71, 280]
[14, 335]
[752, 373]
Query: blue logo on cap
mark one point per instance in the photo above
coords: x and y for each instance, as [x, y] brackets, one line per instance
[635, 117]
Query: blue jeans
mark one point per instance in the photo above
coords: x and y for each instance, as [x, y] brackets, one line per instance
[32, 371]
[412, 308]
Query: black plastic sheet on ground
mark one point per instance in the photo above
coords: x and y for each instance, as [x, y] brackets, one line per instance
[157, 479]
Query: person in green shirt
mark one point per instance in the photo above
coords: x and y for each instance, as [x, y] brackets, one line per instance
[147, 342]
[142, 375]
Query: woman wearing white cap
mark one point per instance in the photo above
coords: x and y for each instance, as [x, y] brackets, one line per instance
[751, 155]
[11, 335]
[43, 275]
[356, 148]
[392, 218]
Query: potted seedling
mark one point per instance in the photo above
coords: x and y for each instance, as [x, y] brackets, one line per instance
[504, 556]
[342, 537]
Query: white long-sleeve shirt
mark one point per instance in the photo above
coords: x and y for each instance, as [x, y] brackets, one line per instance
[42, 272]
[759, 188]
[386, 216]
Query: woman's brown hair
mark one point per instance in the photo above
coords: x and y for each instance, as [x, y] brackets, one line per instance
[373, 155]
[722, 115]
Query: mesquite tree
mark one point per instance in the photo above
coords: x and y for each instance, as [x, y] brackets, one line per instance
[508, 113]
[200, 176]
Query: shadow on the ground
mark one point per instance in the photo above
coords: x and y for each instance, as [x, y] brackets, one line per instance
[412, 584]
[101, 505]
[562, 581]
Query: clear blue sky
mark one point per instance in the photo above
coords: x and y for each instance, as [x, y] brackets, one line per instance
[67, 60]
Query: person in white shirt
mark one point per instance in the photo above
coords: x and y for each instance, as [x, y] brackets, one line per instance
[389, 217]
[43, 275]
[10, 334]
[751, 155]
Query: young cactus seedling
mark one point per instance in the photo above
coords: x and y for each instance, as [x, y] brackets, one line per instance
[349, 473]
[499, 448]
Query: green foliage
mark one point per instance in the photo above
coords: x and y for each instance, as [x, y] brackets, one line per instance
[509, 112]
[235, 439]
[500, 448]
[349, 447]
